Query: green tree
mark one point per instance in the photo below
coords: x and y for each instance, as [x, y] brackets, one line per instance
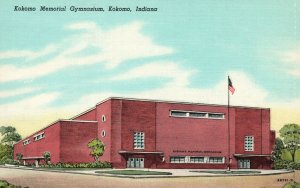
[10, 135]
[97, 148]
[47, 156]
[6, 152]
[277, 149]
[291, 138]
[9, 138]
[286, 155]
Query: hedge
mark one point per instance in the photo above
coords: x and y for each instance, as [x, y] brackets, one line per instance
[104, 164]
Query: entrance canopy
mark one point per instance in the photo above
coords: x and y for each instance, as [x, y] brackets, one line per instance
[142, 152]
[252, 155]
[28, 158]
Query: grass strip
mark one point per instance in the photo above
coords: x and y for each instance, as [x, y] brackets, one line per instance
[228, 172]
[133, 172]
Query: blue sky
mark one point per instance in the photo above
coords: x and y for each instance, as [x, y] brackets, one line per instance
[56, 64]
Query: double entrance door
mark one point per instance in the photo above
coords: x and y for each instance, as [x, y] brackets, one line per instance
[135, 162]
[244, 163]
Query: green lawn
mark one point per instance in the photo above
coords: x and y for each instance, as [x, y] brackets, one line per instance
[133, 172]
[228, 172]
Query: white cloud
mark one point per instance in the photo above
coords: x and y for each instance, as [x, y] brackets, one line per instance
[27, 53]
[294, 72]
[16, 92]
[127, 42]
[291, 59]
[10, 72]
[15, 54]
[112, 47]
[160, 69]
[292, 56]
[29, 107]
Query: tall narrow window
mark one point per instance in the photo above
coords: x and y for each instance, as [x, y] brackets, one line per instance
[103, 133]
[249, 143]
[139, 140]
[103, 118]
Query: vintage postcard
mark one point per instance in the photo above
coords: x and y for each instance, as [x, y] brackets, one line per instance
[151, 93]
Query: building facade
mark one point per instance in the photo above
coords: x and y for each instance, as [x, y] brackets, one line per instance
[158, 134]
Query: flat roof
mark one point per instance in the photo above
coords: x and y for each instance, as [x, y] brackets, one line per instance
[175, 102]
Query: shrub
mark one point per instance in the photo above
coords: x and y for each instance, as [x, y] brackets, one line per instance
[283, 164]
[11, 161]
[47, 156]
[104, 164]
[58, 165]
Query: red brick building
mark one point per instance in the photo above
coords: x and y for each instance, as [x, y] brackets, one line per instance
[158, 134]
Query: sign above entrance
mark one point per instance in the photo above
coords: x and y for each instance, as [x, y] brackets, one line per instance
[196, 151]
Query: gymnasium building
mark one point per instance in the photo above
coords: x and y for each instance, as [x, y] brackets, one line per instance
[141, 133]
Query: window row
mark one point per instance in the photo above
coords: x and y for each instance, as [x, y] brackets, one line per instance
[35, 138]
[191, 114]
[25, 142]
[39, 136]
[196, 159]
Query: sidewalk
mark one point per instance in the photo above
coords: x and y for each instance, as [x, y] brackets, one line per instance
[175, 172]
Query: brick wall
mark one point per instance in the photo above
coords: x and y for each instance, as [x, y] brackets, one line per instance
[74, 139]
[50, 143]
[181, 136]
[104, 109]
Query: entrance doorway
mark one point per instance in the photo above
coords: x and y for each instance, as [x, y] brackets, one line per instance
[244, 163]
[135, 163]
[36, 162]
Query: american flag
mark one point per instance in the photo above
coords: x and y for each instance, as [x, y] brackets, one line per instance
[230, 86]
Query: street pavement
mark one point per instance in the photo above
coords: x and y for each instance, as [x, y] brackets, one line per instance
[37, 179]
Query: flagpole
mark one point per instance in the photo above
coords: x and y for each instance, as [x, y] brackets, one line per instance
[228, 113]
